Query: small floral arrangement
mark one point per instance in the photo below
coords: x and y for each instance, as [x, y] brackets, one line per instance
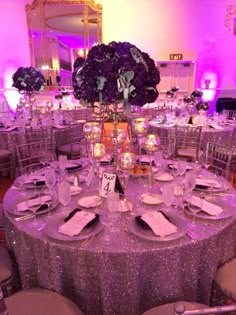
[172, 92]
[202, 106]
[117, 72]
[28, 80]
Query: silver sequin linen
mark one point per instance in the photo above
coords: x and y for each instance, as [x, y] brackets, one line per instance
[127, 275]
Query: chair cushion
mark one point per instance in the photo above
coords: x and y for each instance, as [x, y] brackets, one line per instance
[6, 270]
[40, 302]
[225, 278]
[189, 152]
[68, 148]
[4, 153]
[168, 309]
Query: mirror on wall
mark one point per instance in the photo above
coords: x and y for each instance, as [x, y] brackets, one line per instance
[59, 32]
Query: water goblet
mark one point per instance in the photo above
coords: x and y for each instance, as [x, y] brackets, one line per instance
[168, 194]
[181, 167]
[64, 195]
[33, 203]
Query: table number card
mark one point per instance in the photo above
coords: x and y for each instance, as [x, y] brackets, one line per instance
[108, 184]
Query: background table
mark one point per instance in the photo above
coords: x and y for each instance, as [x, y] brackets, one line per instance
[127, 276]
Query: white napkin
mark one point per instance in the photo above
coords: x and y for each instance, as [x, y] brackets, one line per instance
[206, 206]
[59, 126]
[208, 182]
[69, 165]
[159, 224]
[152, 199]
[89, 201]
[76, 224]
[188, 167]
[23, 205]
[9, 128]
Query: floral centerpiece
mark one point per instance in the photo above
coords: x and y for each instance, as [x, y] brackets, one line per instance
[117, 72]
[202, 106]
[28, 80]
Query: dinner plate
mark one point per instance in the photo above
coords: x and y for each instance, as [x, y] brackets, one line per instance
[165, 177]
[75, 190]
[151, 199]
[53, 225]
[147, 234]
[52, 206]
[21, 182]
[78, 164]
[225, 214]
[207, 189]
[85, 202]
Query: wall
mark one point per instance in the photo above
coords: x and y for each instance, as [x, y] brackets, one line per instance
[159, 27]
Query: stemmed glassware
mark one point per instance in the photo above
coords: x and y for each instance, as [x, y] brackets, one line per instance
[64, 195]
[126, 162]
[92, 132]
[168, 194]
[140, 126]
[158, 159]
[99, 151]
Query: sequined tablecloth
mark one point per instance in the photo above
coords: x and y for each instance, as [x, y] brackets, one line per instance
[128, 275]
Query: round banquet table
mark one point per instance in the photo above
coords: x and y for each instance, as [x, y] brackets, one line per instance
[128, 274]
[208, 133]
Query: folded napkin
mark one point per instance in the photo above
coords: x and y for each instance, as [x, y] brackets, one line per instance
[159, 223]
[151, 199]
[44, 201]
[59, 126]
[75, 224]
[164, 177]
[89, 201]
[205, 206]
[205, 183]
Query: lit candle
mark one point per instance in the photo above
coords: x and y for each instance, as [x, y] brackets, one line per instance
[118, 136]
[126, 160]
[151, 143]
[99, 151]
[140, 126]
[92, 131]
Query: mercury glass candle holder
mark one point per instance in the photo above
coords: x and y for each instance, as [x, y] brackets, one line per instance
[92, 131]
[99, 151]
[118, 137]
[126, 161]
[140, 126]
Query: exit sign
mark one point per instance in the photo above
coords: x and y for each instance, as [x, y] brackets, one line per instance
[176, 56]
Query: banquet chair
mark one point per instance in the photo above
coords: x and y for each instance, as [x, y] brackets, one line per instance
[82, 113]
[29, 154]
[225, 279]
[37, 134]
[6, 271]
[37, 301]
[74, 147]
[230, 114]
[218, 157]
[6, 155]
[188, 141]
[189, 308]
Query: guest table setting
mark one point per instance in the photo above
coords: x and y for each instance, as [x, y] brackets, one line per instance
[159, 240]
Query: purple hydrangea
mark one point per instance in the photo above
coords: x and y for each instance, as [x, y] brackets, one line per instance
[115, 72]
[28, 80]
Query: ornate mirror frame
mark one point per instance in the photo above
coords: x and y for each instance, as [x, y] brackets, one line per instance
[90, 13]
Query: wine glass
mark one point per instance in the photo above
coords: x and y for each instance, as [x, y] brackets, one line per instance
[50, 178]
[181, 167]
[158, 159]
[113, 201]
[64, 195]
[168, 194]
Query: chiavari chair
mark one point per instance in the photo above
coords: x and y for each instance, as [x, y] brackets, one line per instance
[188, 142]
[6, 154]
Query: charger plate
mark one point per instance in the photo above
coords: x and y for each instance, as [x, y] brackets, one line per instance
[53, 225]
[147, 234]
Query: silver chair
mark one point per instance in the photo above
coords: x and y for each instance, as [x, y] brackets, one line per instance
[189, 308]
[38, 301]
[73, 148]
[225, 279]
[188, 142]
[6, 155]
[230, 114]
[6, 271]
[29, 154]
[218, 158]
